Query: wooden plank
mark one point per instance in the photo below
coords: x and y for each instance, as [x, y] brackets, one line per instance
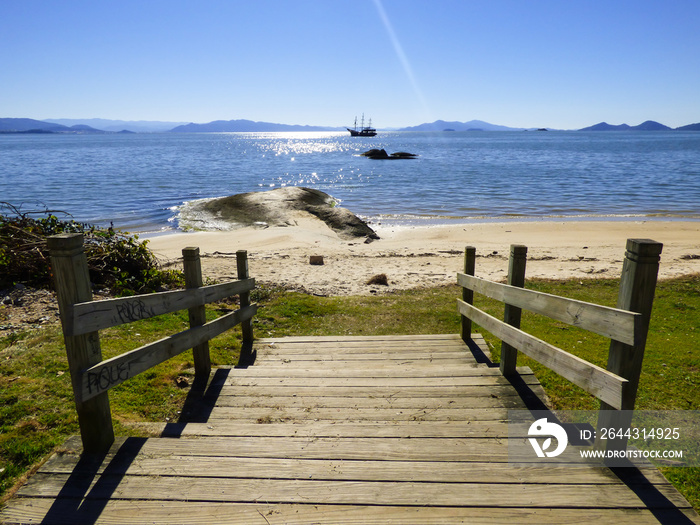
[368, 341]
[359, 338]
[359, 348]
[357, 493]
[604, 385]
[263, 414]
[396, 382]
[415, 403]
[336, 470]
[614, 323]
[351, 357]
[161, 512]
[97, 315]
[346, 429]
[378, 391]
[362, 366]
[112, 372]
[338, 369]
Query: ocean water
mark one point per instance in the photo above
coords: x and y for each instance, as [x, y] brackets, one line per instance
[145, 182]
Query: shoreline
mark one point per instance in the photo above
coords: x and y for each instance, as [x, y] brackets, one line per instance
[384, 221]
[420, 256]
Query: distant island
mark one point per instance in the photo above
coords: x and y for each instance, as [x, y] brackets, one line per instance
[472, 125]
[649, 125]
[94, 126]
[247, 126]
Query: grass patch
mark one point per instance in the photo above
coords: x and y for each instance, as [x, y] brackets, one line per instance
[36, 403]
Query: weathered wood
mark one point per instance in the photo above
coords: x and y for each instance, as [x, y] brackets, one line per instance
[367, 359]
[197, 314]
[467, 294]
[360, 470]
[366, 340]
[98, 315]
[319, 429]
[390, 415]
[512, 313]
[309, 470]
[620, 325]
[107, 374]
[336, 370]
[379, 391]
[306, 401]
[246, 326]
[72, 281]
[534, 495]
[159, 512]
[357, 347]
[637, 288]
[302, 381]
[601, 383]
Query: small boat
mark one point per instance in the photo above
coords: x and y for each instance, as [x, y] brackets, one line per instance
[362, 131]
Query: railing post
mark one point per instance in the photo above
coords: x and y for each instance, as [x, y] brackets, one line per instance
[246, 326]
[192, 266]
[467, 294]
[72, 283]
[637, 287]
[512, 314]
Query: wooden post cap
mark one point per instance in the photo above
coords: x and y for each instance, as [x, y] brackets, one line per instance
[643, 250]
[65, 244]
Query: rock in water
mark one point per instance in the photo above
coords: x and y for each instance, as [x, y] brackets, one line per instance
[278, 207]
[380, 154]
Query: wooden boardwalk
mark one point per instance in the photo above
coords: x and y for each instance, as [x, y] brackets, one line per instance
[408, 429]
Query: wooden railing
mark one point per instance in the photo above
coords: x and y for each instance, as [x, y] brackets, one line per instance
[626, 326]
[82, 319]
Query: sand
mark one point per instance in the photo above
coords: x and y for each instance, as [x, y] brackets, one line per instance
[413, 257]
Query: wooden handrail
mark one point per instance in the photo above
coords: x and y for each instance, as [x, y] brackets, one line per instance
[82, 319]
[112, 372]
[604, 385]
[98, 315]
[613, 323]
[626, 325]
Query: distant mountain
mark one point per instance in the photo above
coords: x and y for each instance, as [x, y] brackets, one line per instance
[28, 124]
[246, 126]
[23, 125]
[690, 127]
[649, 125]
[137, 126]
[604, 126]
[472, 125]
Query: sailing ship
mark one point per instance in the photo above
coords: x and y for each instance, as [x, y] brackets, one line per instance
[362, 131]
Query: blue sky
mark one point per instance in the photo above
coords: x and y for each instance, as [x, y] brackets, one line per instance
[523, 63]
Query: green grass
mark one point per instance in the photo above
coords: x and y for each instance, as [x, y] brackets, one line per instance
[36, 405]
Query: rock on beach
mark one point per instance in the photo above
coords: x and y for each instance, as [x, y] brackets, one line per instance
[279, 207]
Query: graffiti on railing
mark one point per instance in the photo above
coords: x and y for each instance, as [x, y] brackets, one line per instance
[134, 310]
[108, 376]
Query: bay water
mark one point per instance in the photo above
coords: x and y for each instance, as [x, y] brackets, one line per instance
[147, 182]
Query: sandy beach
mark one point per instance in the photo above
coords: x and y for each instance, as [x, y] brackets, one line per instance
[414, 257]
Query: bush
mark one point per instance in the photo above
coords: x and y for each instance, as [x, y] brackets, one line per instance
[117, 260]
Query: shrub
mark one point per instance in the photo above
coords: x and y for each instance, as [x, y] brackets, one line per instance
[117, 260]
